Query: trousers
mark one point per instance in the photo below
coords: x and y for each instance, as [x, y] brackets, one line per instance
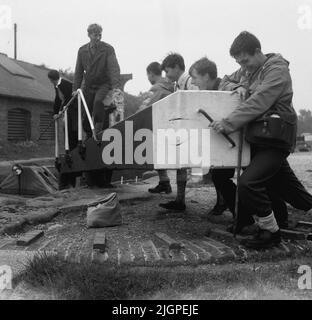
[94, 99]
[265, 185]
[163, 176]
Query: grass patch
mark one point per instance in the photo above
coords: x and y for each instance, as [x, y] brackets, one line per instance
[65, 280]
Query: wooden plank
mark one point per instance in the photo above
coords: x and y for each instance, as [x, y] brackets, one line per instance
[99, 242]
[29, 238]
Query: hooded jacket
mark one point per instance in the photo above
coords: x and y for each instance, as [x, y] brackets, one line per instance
[269, 91]
[269, 88]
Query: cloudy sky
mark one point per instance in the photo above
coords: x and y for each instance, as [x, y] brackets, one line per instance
[143, 31]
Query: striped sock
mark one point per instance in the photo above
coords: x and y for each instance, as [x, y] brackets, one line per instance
[268, 223]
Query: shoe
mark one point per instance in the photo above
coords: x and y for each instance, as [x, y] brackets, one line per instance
[162, 187]
[218, 209]
[249, 230]
[263, 240]
[173, 205]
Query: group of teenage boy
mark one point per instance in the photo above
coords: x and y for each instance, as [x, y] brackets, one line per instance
[264, 85]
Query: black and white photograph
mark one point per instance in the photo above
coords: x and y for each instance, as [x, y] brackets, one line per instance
[155, 154]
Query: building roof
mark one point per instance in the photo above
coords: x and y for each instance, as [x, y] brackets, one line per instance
[19, 79]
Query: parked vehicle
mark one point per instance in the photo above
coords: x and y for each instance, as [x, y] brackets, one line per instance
[303, 147]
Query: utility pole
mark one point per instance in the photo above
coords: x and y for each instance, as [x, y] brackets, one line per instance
[15, 41]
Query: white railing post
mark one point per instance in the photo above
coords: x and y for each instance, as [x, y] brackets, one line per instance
[57, 152]
[79, 120]
[66, 131]
[88, 113]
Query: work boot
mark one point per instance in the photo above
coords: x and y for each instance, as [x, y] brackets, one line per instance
[264, 239]
[161, 187]
[218, 209]
[249, 230]
[173, 205]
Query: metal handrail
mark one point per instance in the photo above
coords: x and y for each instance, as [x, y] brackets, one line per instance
[64, 113]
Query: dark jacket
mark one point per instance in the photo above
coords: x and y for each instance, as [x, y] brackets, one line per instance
[66, 88]
[100, 70]
[217, 85]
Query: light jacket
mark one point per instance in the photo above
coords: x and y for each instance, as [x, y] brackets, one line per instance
[185, 82]
[157, 92]
[269, 88]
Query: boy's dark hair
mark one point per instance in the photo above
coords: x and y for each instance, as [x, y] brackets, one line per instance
[53, 75]
[245, 42]
[154, 68]
[204, 66]
[172, 60]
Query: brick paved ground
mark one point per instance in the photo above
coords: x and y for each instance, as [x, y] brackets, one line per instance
[149, 235]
